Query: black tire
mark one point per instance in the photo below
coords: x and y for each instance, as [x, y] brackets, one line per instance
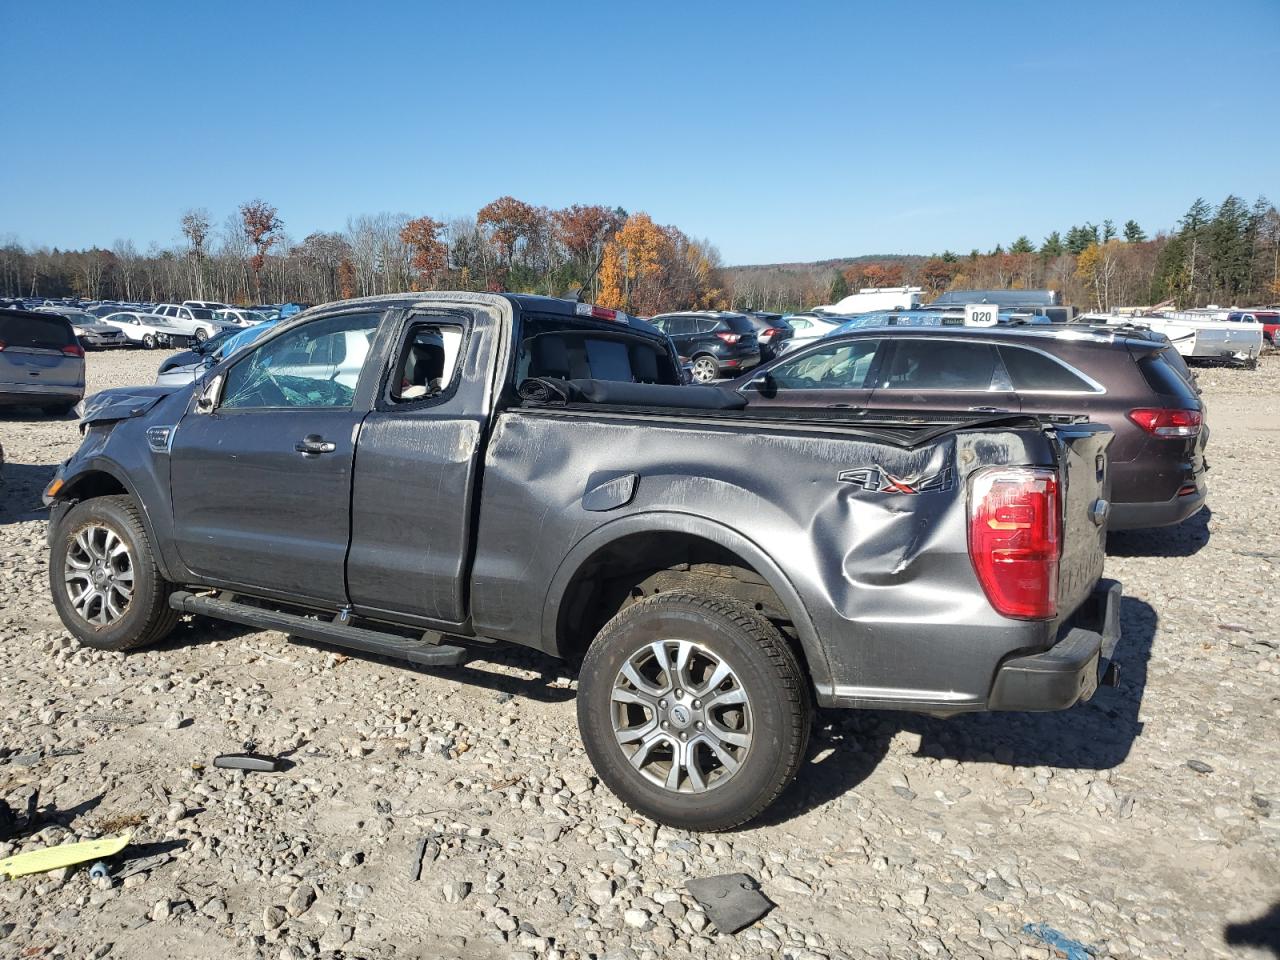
[146, 617]
[149, 341]
[708, 363]
[200, 336]
[767, 670]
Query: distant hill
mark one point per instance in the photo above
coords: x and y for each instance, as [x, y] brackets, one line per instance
[836, 263]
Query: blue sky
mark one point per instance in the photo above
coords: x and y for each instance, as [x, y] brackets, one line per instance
[780, 132]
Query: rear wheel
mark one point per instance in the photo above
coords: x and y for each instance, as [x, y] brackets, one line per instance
[705, 369]
[106, 586]
[694, 710]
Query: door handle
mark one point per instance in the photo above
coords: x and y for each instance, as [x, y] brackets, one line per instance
[315, 444]
[988, 409]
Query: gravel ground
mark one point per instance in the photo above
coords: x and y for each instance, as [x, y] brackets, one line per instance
[1145, 823]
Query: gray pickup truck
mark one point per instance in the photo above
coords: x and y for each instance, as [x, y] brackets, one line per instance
[423, 475]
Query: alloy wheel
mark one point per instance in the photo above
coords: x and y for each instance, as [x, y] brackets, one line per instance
[98, 572]
[681, 716]
[704, 370]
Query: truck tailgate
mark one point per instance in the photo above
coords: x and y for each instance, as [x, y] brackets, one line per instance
[1086, 486]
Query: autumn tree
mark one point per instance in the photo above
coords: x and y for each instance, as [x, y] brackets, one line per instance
[509, 221]
[262, 229]
[346, 279]
[583, 231]
[195, 227]
[430, 256]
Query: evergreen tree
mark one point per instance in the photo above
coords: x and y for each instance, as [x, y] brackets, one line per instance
[1052, 246]
[1108, 230]
[1022, 245]
[1080, 239]
[839, 288]
[949, 257]
[1133, 233]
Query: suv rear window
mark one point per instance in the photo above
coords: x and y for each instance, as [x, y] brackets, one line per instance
[1163, 378]
[42, 333]
[1032, 371]
[740, 324]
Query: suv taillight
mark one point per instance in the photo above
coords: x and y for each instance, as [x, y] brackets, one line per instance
[1015, 538]
[73, 350]
[1167, 423]
[729, 337]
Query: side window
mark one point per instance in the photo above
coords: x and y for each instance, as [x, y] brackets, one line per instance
[839, 366]
[709, 325]
[660, 323]
[428, 362]
[1033, 372]
[927, 364]
[680, 326]
[317, 365]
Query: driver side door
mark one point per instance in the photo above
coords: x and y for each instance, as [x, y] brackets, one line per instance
[261, 482]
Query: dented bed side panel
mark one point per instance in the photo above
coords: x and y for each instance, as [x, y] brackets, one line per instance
[895, 612]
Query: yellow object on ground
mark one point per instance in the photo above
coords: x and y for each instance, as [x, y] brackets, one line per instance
[66, 855]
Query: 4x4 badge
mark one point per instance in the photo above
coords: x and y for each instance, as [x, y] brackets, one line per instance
[878, 480]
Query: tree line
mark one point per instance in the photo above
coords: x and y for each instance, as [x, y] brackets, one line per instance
[1228, 254]
[615, 258]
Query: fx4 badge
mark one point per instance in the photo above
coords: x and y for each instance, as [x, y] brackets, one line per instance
[878, 480]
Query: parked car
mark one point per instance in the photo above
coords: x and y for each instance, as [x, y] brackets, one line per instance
[239, 318]
[715, 343]
[193, 323]
[1132, 384]
[772, 332]
[1270, 320]
[432, 473]
[92, 333]
[41, 361]
[205, 304]
[182, 368]
[807, 327]
[149, 330]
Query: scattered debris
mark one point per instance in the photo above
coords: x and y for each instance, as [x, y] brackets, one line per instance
[64, 855]
[1062, 944]
[99, 871]
[731, 901]
[1199, 766]
[248, 761]
[415, 869]
[142, 865]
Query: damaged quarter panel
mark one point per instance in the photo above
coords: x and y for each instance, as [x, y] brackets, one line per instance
[892, 611]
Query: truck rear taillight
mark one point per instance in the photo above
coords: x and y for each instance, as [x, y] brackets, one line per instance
[73, 350]
[729, 337]
[1167, 423]
[1015, 539]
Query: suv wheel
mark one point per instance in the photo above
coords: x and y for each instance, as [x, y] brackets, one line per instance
[694, 710]
[705, 369]
[106, 586]
[200, 336]
[149, 341]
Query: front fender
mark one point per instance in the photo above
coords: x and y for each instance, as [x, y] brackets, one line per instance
[692, 525]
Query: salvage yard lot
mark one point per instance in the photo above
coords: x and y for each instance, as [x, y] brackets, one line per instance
[903, 836]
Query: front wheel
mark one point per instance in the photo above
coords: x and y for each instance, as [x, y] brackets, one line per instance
[106, 585]
[694, 710]
[149, 341]
[200, 335]
[705, 370]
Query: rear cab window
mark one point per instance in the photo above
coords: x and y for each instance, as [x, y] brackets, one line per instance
[563, 348]
[28, 332]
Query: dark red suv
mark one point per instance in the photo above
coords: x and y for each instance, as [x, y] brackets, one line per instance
[1130, 383]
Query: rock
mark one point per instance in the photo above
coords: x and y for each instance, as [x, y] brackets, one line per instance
[273, 917]
[456, 891]
[300, 899]
[1199, 766]
[916, 896]
[635, 918]
[601, 893]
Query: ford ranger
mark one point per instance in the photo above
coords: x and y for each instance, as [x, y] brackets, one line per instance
[422, 475]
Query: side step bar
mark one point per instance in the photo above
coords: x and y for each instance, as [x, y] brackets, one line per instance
[355, 638]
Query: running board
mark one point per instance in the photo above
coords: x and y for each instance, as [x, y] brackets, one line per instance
[355, 638]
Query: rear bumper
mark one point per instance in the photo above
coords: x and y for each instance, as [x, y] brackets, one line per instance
[1070, 670]
[34, 394]
[1159, 513]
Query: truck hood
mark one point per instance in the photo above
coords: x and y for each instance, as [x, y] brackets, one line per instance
[120, 403]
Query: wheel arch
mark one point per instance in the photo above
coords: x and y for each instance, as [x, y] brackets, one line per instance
[102, 478]
[640, 545]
